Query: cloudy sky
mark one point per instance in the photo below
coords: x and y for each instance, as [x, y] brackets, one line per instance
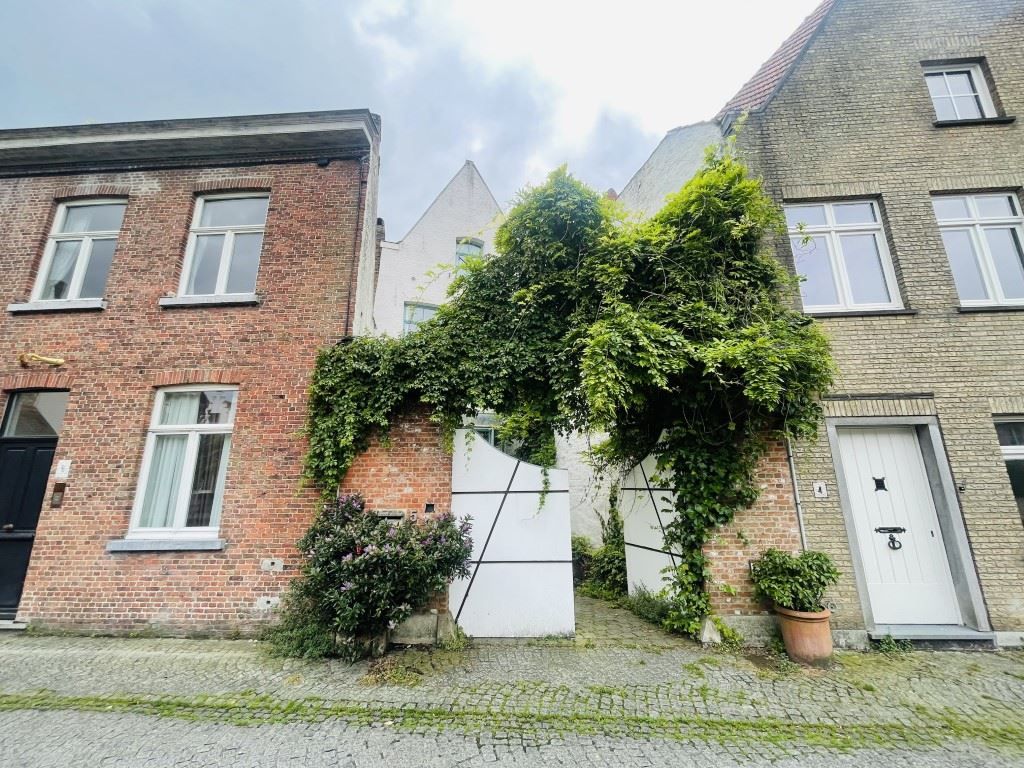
[519, 87]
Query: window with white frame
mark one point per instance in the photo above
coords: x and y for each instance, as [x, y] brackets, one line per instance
[840, 252]
[415, 314]
[224, 244]
[1011, 440]
[181, 486]
[466, 247]
[79, 251]
[959, 92]
[983, 236]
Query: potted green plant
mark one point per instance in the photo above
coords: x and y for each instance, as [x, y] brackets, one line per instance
[796, 586]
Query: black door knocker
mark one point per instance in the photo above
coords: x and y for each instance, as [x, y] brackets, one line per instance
[894, 543]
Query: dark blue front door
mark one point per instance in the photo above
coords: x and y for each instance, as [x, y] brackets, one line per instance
[24, 469]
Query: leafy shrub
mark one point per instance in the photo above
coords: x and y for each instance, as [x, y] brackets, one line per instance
[582, 554]
[362, 575]
[653, 607]
[607, 575]
[796, 583]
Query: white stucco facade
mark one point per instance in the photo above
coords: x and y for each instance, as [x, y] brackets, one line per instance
[418, 268]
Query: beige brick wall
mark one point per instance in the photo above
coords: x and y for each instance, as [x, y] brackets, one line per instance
[855, 118]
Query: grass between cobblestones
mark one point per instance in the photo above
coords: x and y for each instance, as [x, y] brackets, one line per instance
[935, 727]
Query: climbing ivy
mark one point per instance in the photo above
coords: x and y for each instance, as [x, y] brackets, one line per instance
[675, 336]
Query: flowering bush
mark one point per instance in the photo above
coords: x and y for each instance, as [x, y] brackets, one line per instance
[363, 574]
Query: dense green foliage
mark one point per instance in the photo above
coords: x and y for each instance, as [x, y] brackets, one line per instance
[362, 574]
[794, 582]
[675, 336]
[606, 576]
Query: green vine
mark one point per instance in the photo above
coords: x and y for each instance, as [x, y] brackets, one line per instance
[675, 336]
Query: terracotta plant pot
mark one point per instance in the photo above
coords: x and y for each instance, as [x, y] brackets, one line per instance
[808, 636]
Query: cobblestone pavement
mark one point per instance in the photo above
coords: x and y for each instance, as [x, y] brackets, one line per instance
[621, 694]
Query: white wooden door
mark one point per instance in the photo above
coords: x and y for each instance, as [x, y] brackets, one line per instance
[888, 488]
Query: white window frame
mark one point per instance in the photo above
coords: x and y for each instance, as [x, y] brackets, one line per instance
[1011, 452]
[81, 265]
[405, 307]
[179, 530]
[975, 226]
[981, 85]
[229, 243]
[832, 231]
[474, 241]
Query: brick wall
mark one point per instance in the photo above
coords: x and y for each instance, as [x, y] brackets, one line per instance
[855, 119]
[117, 357]
[770, 522]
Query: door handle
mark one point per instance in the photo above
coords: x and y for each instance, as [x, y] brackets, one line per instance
[890, 529]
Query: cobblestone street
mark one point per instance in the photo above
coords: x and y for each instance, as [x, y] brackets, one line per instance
[622, 693]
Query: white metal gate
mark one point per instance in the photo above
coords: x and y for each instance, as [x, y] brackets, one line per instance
[896, 527]
[647, 509]
[520, 582]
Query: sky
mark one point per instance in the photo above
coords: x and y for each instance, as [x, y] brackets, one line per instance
[518, 87]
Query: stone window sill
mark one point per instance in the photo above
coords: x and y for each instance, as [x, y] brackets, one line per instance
[992, 308]
[165, 545]
[68, 305]
[226, 300]
[863, 313]
[1002, 120]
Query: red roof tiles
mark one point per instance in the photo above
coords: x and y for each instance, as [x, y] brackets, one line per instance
[759, 90]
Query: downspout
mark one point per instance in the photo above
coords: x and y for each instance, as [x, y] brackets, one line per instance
[796, 494]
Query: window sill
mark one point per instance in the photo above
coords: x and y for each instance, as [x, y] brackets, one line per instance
[862, 313]
[226, 300]
[164, 545]
[992, 308]
[1002, 120]
[68, 305]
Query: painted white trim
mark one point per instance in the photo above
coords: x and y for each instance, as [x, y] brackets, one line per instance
[832, 232]
[192, 431]
[227, 251]
[225, 299]
[981, 85]
[57, 305]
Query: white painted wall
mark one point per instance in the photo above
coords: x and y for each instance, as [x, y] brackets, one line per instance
[521, 576]
[464, 208]
[588, 493]
[672, 164]
[647, 509]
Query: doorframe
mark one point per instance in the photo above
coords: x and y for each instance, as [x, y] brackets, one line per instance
[966, 585]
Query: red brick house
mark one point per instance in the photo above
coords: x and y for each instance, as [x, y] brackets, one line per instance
[165, 288]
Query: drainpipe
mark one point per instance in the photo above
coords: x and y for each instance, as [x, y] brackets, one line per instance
[796, 494]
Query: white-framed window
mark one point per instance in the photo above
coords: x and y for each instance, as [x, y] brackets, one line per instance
[959, 92]
[416, 313]
[466, 247]
[983, 236]
[1010, 431]
[224, 245]
[79, 251]
[181, 485]
[840, 251]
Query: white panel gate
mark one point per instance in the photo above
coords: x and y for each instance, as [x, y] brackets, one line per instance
[520, 582]
[646, 510]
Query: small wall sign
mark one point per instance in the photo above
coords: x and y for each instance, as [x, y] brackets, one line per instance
[820, 489]
[63, 469]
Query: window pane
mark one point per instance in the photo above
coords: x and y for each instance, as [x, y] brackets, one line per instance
[854, 213]
[35, 414]
[960, 83]
[205, 264]
[864, 269]
[944, 109]
[818, 288]
[212, 406]
[245, 263]
[235, 212]
[808, 215]
[62, 270]
[963, 261]
[936, 84]
[1010, 432]
[1006, 254]
[968, 107]
[164, 481]
[96, 271]
[950, 208]
[995, 207]
[466, 248]
[208, 480]
[1015, 469]
[105, 217]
